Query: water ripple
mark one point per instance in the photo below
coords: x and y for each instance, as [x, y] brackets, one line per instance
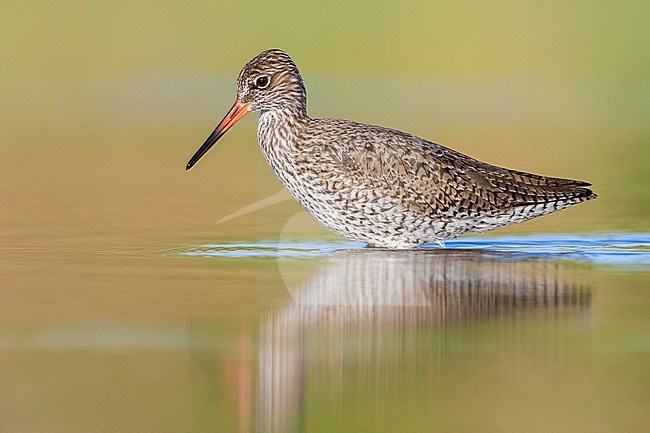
[267, 249]
[618, 249]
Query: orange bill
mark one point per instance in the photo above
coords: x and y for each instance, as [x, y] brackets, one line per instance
[237, 112]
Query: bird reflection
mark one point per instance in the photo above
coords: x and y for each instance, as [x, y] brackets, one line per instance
[362, 305]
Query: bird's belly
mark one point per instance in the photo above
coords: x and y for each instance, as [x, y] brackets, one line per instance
[362, 213]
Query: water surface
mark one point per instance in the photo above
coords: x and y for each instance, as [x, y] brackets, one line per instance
[327, 336]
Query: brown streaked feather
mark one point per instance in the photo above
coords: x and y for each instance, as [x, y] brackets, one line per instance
[429, 177]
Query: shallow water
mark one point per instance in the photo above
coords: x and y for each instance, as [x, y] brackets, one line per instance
[523, 332]
[510, 333]
[617, 249]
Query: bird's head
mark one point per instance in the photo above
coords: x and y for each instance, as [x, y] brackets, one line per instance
[269, 82]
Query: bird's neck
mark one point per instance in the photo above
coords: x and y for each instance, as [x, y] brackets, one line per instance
[284, 123]
[280, 132]
[294, 113]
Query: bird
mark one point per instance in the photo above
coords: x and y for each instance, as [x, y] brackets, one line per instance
[376, 185]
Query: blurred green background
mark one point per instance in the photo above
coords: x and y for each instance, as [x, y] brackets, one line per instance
[96, 93]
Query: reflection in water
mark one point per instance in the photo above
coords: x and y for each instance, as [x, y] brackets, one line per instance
[364, 305]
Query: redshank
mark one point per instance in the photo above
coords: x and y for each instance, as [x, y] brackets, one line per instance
[377, 185]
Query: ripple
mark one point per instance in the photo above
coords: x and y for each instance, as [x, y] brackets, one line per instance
[619, 249]
[622, 249]
[298, 249]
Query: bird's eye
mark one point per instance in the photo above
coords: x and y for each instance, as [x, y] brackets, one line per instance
[261, 82]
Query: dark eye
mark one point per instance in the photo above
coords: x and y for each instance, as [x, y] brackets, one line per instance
[261, 82]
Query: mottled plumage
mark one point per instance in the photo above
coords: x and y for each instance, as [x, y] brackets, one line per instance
[379, 185]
